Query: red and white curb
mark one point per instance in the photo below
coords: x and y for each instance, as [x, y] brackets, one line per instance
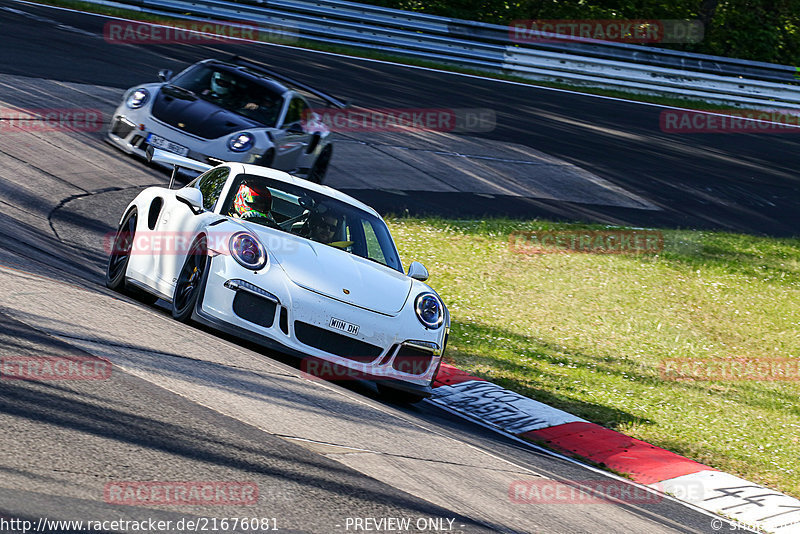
[690, 481]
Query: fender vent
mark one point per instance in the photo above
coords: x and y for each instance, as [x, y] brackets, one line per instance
[155, 211]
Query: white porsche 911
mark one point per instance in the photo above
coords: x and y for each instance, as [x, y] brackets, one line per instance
[286, 263]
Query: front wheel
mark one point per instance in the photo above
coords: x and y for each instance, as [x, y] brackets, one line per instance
[187, 288]
[119, 258]
[268, 158]
[121, 253]
[320, 167]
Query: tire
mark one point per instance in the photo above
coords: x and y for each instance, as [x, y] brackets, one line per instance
[268, 158]
[396, 396]
[320, 167]
[118, 260]
[120, 254]
[187, 288]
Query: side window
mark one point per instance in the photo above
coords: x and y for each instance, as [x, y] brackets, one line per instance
[374, 250]
[296, 112]
[211, 184]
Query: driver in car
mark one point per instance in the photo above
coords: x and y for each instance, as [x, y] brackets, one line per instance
[226, 92]
[221, 86]
[322, 227]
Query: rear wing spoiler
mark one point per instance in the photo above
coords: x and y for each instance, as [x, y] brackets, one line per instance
[255, 65]
[154, 155]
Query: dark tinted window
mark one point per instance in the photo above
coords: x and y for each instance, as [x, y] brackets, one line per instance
[296, 112]
[320, 218]
[210, 184]
[229, 89]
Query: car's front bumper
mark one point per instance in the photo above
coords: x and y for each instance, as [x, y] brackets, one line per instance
[380, 351]
[129, 131]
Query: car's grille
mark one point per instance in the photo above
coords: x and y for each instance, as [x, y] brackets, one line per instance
[253, 308]
[121, 128]
[412, 360]
[334, 343]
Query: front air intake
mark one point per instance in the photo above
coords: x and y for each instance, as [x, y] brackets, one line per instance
[333, 343]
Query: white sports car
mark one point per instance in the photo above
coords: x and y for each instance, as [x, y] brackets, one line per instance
[216, 111]
[287, 263]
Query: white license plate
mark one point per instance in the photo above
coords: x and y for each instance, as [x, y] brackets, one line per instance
[344, 326]
[169, 146]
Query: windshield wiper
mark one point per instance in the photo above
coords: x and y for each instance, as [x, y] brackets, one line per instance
[371, 259]
[182, 92]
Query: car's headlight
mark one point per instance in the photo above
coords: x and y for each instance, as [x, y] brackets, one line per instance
[241, 142]
[246, 250]
[137, 98]
[430, 310]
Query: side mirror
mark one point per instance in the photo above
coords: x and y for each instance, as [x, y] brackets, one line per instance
[191, 197]
[165, 75]
[417, 271]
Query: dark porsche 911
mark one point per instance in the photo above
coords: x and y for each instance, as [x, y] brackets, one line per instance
[236, 110]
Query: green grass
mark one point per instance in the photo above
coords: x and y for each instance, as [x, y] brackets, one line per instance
[663, 99]
[587, 333]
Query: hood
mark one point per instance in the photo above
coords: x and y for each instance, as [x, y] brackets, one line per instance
[329, 271]
[200, 118]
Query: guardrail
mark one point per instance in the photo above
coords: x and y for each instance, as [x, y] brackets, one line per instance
[489, 47]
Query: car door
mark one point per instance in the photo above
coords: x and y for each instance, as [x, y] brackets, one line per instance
[179, 226]
[291, 139]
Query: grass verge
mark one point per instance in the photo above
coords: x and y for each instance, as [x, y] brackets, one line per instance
[590, 333]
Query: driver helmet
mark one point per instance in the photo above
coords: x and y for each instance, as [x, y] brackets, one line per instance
[221, 83]
[252, 200]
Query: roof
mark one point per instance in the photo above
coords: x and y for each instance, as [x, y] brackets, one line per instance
[300, 182]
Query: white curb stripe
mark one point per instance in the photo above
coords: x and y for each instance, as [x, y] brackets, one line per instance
[500, 407]
[736, 498]
[746, 503]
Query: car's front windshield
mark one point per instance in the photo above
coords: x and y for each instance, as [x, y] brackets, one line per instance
[311, 215]
[232, 91]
